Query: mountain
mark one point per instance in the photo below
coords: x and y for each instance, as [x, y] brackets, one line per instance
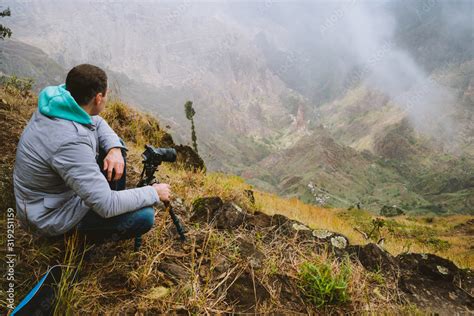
[376, 84]
[24, 60]
[245, 250]
[374, 157]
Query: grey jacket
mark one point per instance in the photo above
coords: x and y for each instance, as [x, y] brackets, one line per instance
[57, 180]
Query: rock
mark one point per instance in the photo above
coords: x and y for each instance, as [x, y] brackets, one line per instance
[230, 216]
[246, 292]
[335, 240]
[213, 210]
[294, 229]
[298, 226]
[259, 220]
[391, 211]
[279, 220]
[428, 282]
[374, 258]
[189, 158]
[289, 292]
[339, 242]
[175, 272]
[249, 252]
[204, 209]
[322, 233]
[428, 265]
[465, 280]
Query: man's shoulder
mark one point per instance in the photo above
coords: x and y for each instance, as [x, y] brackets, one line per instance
[67, 127]
[97, 119]
[53, 132]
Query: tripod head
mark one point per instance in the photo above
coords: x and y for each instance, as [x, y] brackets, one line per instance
[152, 159]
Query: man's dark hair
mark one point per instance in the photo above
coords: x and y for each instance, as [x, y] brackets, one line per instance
[85, 81]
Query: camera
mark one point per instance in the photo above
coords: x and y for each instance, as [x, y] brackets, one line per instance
[155, 155]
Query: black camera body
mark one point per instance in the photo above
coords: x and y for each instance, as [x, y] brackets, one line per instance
[152, 158]
[155, 155]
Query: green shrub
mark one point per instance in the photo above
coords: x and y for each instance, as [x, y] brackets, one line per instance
[325, 283]
[18, 86]
[438, 244]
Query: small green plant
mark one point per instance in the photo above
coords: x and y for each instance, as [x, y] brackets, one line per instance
[325, 283]
[377, 224]
[377, 277]
[18, 86]
[437, 244]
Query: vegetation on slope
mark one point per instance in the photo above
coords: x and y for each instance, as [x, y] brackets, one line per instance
[249, 268]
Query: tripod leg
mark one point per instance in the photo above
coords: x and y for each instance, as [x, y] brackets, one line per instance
[177, 223]
[138, 243]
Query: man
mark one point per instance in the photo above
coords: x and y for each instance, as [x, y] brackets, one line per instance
[58, 183]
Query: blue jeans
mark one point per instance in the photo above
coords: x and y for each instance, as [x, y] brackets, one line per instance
[129, 225]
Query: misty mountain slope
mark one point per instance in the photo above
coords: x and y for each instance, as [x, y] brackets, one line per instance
[263, 82]
[27, 61]
[359, 117]
[318, 159]
[394, 165]
[199, 55]
[437, 33]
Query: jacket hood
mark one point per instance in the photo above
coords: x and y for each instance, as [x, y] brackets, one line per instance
[56, 101]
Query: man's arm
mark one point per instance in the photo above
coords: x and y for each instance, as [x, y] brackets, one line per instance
[107, 137]
[75, 162]
[112, 145]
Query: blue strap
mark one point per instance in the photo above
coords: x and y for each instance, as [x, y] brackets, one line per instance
[33, 291]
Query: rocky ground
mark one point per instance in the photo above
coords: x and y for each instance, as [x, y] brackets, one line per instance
[426, 280]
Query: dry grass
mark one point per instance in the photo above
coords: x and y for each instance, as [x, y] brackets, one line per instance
[133, 126]
[315, 217]
[459, 250]
[202, 275]
[208, 267]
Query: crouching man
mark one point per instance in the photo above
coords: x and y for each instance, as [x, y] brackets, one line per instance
[67, 162]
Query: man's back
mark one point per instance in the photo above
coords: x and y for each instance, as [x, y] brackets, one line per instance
[56, 177]
[40, 140]
[39, 189]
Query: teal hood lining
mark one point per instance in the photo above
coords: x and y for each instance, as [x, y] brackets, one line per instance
[56, 101]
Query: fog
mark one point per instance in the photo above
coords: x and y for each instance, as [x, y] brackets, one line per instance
[368, 43]
[320, 49]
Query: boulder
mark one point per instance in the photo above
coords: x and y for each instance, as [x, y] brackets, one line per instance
[391, 211]
[230, 216]
[374, 258]
[204, 209]
[213, 210]
[431, 282]
[246, 293]
[189, 158]
[259, 220]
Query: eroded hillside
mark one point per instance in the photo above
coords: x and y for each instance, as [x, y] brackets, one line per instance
[245, 251]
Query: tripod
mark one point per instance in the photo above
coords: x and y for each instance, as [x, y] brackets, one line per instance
[147, 177]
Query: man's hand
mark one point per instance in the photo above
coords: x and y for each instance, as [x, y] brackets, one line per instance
[163, 191]
[114, 161]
